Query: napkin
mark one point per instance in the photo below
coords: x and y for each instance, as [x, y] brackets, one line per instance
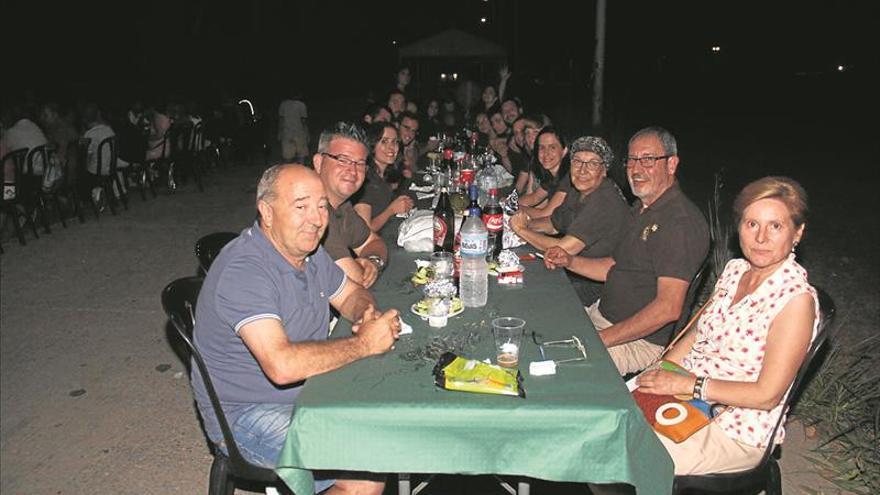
[541, 368]
[405, 328]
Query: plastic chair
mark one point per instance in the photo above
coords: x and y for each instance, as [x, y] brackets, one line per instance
[32, 184]
[191, 154]
[64, 187]
[15, 205]
[766, 475]
[107, 181]
[689, 297]
[209, 246]
[179, 302]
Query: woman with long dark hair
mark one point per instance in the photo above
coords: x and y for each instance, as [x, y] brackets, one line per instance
[378, 199]
[550, 166]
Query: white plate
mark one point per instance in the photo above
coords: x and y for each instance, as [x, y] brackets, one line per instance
[414, 309]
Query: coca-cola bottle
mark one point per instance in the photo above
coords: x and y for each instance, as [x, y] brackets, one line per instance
[473, 144]
[493, 217]
[444, 223]
[448, 164]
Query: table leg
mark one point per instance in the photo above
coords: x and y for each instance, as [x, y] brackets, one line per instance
[403, 484]
[523, 488]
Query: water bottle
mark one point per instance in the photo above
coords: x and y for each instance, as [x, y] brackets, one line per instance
[474, 275]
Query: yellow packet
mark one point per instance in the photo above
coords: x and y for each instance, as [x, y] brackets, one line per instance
[469, 375]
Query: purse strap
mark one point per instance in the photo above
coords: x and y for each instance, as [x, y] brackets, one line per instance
[688, 326]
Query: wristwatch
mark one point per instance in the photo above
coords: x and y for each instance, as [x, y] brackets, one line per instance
[379, 262]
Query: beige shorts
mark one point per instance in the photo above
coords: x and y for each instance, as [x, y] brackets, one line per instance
[711, 451]
[629, 357]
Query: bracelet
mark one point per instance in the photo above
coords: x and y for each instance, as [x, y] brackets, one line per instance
[378, 261]
[704, 391]
[698, 387]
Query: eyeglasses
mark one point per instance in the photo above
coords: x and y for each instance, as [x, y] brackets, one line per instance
[647, 162]
[592, 165]
[360, 164]
[572, 343]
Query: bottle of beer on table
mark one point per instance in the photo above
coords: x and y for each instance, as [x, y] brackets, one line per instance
[493, 217]
[444, 223]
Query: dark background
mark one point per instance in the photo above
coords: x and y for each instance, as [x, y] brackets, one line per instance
[772, 53]
[771, 101]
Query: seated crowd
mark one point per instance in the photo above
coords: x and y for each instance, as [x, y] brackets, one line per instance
[141, 134]
[265, 306]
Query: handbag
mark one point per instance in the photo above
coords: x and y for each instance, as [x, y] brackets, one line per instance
[675, 417]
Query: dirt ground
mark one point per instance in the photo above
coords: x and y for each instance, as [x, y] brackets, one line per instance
[95, 399]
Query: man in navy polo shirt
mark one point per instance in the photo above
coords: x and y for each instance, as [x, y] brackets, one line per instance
[262, 319]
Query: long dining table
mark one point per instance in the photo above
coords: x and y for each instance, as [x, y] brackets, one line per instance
[384, 414]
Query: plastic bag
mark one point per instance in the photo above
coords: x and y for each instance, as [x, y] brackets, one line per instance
[469, 375]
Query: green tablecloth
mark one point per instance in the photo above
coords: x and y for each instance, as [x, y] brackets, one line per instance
[384, 414]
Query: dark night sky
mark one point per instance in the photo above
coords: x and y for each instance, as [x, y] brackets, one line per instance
[331, 47]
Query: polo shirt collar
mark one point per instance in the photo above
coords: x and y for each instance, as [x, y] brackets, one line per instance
[272, 254]
[339, 212]
[668, 195]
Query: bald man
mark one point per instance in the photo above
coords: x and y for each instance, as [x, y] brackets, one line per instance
[262, 319]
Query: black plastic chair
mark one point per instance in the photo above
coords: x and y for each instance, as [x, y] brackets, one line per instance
[32, 184]
[209, 246]
[42, 198]
[65, 187]
[766, 475]
[179, 302]
[15, 205]
[689, 297]
[132, 147]
[106, 181]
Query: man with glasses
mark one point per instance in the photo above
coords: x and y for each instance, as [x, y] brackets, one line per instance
[647, 275]
[341, 162]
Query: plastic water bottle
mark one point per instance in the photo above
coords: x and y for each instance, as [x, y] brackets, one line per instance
[474, 276]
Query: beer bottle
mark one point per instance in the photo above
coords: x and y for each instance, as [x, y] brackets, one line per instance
[444, 223]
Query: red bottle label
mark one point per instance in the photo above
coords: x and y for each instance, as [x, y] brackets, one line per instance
[439, 231]
[494, 222]
[467, 175]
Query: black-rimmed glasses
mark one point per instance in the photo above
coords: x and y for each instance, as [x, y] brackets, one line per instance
[361, 164]
[645, 161]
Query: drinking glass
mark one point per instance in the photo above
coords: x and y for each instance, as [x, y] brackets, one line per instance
[508, 332]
